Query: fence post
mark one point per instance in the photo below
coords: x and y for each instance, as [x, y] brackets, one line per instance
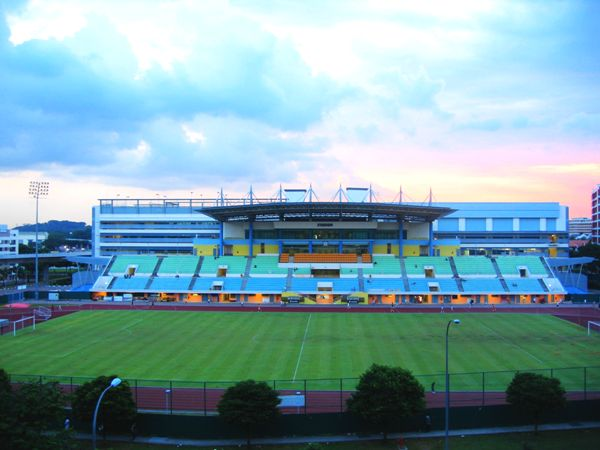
[585, 383]
[137, 399]
[551, 373]
[71, 385]
[204, 396]
[482, 388]
[305, 396]
[171, 396]
[341, 396]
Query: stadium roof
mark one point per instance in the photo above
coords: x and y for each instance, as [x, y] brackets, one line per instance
[325, 211]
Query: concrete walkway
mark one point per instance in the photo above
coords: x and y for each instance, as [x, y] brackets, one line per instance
[343, 438]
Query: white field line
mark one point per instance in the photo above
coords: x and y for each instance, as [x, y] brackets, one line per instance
[513, 343]
[302, 347]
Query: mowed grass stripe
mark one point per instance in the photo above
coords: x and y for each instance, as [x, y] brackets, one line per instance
[206, 346]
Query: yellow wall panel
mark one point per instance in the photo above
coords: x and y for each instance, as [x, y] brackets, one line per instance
[447, 250]
[240, 250]
[204, 250]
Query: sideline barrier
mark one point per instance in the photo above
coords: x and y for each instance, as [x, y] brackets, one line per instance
[474, 389]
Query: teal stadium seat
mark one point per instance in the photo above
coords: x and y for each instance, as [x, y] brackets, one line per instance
[267, 265]
[130, 284]
[509, 265]
[145, 264]
[525, 285]
[415, 265]
[474, 266]
[482, 286]
[236, 265]
[446, 285]
[384, 265]
[170, 284]
[179, 265]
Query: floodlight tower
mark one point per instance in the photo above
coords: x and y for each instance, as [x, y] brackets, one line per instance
[37, 189]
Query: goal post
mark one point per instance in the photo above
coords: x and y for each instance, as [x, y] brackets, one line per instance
[593, 327]
[23, 323]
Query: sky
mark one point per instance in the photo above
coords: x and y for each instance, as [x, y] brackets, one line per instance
[477, 100]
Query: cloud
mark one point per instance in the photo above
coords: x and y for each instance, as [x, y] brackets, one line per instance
[584, 122]
[574, 168]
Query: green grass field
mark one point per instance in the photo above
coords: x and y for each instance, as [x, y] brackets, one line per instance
[206, 346]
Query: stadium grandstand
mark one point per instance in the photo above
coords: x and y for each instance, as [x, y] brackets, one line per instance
[294, 248]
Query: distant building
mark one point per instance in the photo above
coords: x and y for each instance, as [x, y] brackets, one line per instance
[171, 226]
[596, 215]
[9, 244]
[580, 228]
[28, 237]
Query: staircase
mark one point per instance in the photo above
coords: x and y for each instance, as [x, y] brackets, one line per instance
[404, 277]
[149, 282]
[200, 261]
[496, 268]
[110, 285]
[361, 279]
[288, 281]
[246, 273]
[499, 275]
[547, 267]
[109, 266]
[160, 261]
[457, 278]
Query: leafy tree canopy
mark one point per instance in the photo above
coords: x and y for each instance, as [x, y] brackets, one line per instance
[534, 394]
[117, 411]
[250, 405]
[32, 416]
[386, 395]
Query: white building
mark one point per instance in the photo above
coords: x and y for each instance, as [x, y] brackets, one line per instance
[596, 215]
[9, 241]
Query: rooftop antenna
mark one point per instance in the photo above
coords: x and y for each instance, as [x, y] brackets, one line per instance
[370, 193]
[251, 196]
[222, 198]
[430, 195]
[280, 194]
[340, 194]
[310, 193]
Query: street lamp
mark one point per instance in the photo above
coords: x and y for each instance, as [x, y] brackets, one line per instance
[37, 189]
[113, 383]
[450, 322]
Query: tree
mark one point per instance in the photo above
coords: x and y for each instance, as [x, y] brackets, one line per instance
[534, 394]
[32, 417]
[117, 411]
[250, 405]
[4, 382]
[386, 395]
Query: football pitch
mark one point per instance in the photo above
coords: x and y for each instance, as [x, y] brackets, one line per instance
[217, 346]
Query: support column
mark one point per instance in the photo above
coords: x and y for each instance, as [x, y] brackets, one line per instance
[251, 236]
[310, 247]
[401, 238]
[430, 238]
[340, 247]
[221, 241]
[370, 247]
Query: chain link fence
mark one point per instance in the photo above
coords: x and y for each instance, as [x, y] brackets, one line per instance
[330, 395]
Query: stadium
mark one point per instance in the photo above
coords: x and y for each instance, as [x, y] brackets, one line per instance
[295, 249]
[188, 296]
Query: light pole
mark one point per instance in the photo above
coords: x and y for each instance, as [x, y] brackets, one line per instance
[450, 322]
[113, 383]
[37, 189]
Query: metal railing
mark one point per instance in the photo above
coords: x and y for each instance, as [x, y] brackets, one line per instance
[330, 395]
